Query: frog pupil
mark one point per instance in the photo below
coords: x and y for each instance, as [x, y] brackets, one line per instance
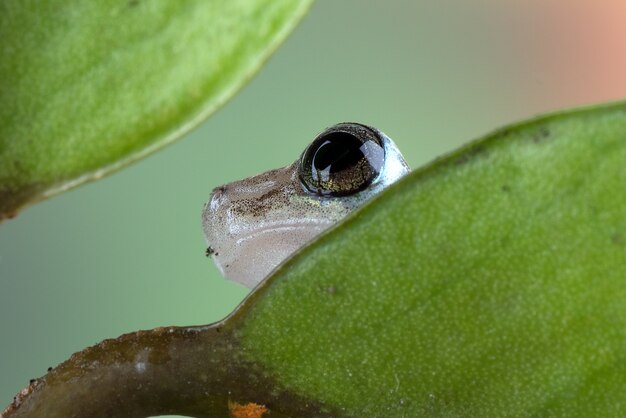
[340, 163]
[338, 152]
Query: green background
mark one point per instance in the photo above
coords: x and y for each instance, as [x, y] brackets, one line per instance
[126, 252]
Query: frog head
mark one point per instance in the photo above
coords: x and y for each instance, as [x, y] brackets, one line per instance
[252, 225]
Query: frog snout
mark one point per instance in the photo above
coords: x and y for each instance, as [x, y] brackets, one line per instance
[211, 216]
[252, 225]
[215, 200]
[218, 191]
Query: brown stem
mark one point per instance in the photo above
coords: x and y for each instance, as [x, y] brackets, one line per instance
[163, 371]
[194, 371]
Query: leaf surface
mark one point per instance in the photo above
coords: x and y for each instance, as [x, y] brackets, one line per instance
[88, 87]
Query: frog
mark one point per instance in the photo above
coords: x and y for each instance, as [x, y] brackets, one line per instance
[252, 226]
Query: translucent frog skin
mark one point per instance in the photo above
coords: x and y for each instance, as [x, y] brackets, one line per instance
[252, 225]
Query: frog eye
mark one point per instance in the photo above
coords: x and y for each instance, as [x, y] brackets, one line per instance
[342, 160]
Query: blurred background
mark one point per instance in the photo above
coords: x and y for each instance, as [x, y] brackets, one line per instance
[127, 252]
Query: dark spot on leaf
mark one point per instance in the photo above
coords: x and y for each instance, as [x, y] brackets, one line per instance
[469, 155]
[209, 251]
[618, 239]
[330, 290]
[506, 188]
[505, 132]
[541, 135]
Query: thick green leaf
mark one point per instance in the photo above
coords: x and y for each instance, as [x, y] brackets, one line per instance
[491, 283]
[88, 87]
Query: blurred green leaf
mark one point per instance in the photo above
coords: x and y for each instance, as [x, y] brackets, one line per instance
[490, 283]
[88, 87]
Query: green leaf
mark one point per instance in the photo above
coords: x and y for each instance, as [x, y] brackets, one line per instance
[89, 87]
[490, 283]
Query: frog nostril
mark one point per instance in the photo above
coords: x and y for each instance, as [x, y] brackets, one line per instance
[218, 191]
[218, 197]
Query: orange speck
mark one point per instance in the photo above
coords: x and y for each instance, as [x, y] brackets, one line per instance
[248, 410]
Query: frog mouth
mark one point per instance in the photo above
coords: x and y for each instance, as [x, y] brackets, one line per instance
[249, 258]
